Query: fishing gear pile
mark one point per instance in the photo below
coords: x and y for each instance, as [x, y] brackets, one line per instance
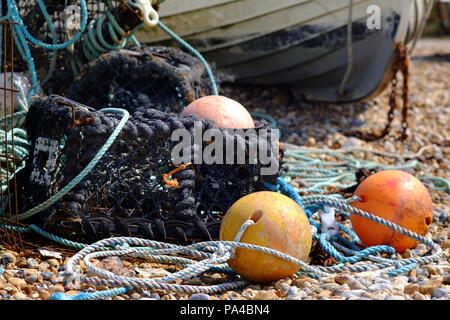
[136, 188]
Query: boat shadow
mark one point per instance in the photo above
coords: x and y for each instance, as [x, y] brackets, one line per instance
[300, 121]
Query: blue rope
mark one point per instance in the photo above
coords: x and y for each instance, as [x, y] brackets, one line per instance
[89, 295]
[194, 52]
[21, 35]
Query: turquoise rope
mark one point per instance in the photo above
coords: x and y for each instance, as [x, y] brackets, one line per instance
[194, 52]
[21, 35]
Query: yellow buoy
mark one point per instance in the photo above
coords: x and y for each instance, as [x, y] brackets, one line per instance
[280, 224]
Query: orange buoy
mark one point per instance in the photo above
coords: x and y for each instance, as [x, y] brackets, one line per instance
[280, 224]
[223, 111]
[395, 196]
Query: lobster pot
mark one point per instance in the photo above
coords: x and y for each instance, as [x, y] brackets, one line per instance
[109, 25]
[148, 183]
[161, 78]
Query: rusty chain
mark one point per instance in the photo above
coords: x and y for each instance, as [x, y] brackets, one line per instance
[401, 64]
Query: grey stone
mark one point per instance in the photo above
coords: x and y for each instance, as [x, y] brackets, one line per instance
[155, 296]
[6, 258]
[284, 287]
[199, 296]
[440, 292]
[353, 293]
[31, 279]
[292, 292]
[380, 287]
[395, 298]
[32, 263]
[381, 280]
[135, 296]
[47, 275]
[356, 285]
[364, 282]
[422, 272]
[330, 286]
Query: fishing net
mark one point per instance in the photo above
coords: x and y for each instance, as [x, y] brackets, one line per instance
[137, 188]
[162, 78]
[108, 25]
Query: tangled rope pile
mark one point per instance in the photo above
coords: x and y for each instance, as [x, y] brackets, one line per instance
[211, 256]
[309, 168]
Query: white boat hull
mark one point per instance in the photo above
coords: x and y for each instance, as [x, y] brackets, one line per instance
[297, 43]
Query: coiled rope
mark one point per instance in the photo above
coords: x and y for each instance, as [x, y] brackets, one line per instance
[213, 255]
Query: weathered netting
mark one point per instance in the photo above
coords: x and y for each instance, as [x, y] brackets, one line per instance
[161, 78]
[135, 189]
[109, 25]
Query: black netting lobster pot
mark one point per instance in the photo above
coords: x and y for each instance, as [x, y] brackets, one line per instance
[65, 18]
[150, 183]
[162, 78]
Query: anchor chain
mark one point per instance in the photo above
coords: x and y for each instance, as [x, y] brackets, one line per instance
[401, 64]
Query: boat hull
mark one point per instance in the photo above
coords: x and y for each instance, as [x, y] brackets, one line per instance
[302, 44]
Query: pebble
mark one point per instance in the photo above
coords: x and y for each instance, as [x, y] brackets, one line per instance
[395, 298]
[135, 296]
[155, 296]
[292, 292]
[32, 263]
[34, 295]
[330, 286]
[31, 279]
[324, 293]
[20, 296]
[411, 288]
[53, 263]
[56, 288]
[47, 275]
[17, 282]
[440, 293]
[355, 285]
[265, 295]
[199, 296]
[380, 287]
[353, 293]
[426, 289]
[44, 294]
[7, 257]
[418, 296]
[283, 287]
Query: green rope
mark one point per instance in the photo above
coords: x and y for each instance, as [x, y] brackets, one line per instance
[305, 166]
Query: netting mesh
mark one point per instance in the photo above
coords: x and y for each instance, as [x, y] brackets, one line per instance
[136, 188]
[65, 17]
[161, 78]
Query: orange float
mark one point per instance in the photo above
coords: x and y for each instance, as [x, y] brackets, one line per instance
[395, 196]
[280, 224]
[223, 111]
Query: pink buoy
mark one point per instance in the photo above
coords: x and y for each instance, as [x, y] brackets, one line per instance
[223, 111]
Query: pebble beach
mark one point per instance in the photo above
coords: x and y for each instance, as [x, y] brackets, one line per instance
[38, 276]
